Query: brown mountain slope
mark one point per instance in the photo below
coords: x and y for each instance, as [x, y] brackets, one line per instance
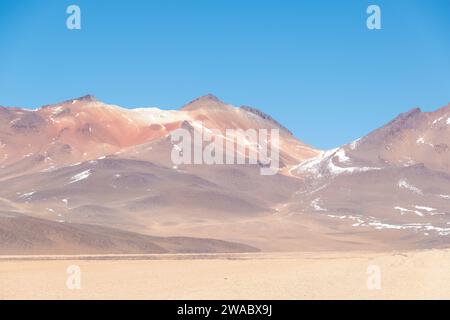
[412, 138]
[396, 178]
[21, 234]
[85, 129]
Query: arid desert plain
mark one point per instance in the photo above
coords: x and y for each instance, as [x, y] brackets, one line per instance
[349, 275]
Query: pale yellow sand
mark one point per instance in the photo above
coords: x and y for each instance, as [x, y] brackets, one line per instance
[411, 275]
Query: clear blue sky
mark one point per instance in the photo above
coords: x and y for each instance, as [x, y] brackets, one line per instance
[313, 65]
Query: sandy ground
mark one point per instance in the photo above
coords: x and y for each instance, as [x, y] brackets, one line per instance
[406, 275]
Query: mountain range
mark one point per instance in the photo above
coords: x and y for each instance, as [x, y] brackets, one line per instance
[83, 176]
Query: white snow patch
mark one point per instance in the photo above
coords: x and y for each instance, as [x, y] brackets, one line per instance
[355, 144]
[437, 120]
[336, 170]
[404, 211]
[313, 165]
[343, 158]
[428, 209]
[80, 176]
[405, 185]
[75, 164]
[27, 195]
[155, 115]
[417, 227]
[57, 110]
[316, 206]
[323, 163]
[421, 140]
